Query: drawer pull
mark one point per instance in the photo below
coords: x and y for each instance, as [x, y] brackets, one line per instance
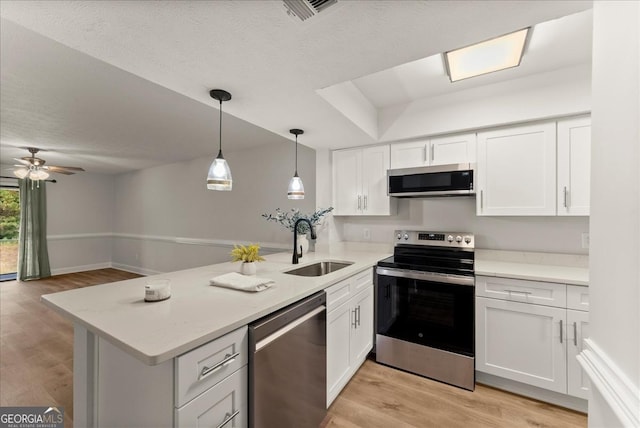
[526, 293]
[228, 417]
[228, 359]
[575, 334]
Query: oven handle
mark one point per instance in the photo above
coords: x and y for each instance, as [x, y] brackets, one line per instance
[426, 276]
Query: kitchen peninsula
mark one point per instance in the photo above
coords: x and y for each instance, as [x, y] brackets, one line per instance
[127, 352]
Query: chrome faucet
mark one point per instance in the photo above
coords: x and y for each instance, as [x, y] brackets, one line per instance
[296, 256]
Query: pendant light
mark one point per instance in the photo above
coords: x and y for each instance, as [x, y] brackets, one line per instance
[219, 177]
[296, 188]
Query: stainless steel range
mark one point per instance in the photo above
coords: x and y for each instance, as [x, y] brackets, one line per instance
[425, 306]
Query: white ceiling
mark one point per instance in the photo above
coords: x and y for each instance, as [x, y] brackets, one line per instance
[123, 96]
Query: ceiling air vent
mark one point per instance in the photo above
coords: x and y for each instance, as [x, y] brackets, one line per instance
[305, 9]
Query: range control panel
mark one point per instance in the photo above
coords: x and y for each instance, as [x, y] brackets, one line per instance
[438, 239]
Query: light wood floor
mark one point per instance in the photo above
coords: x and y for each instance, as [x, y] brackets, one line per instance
[36, 344]
[36, 369]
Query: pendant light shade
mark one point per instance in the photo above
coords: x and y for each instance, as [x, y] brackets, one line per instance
[296, 188]
[219, 177]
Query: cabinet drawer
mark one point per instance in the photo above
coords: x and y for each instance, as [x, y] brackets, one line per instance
[361, 281]
[338, 293]
[517, 290]
[226, 403]
[578, 297]
[200, 369]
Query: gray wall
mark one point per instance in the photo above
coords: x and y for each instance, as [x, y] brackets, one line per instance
[165, 218]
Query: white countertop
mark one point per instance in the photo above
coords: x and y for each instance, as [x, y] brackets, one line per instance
[197, 312]
[559, 268]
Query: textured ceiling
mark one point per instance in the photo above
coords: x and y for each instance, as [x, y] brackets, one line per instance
[270, 62]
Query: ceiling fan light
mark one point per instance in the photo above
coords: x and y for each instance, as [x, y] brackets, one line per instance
[296, 188]
[219, 177]
[21, 173]
[38, 174]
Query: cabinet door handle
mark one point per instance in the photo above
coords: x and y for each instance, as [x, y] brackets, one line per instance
[228, 417]
[228, 359]
[433, 153]
[359, 202]
[355, 320]
[565, 196]
[481, 200]
[575, 334]
[560, 331]
[426, 157]
[365, 202]
[358, 315]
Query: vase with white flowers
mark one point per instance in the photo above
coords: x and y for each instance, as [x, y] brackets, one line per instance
[287, 219]
[248, 255]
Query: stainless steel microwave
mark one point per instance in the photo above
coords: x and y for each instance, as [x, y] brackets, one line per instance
[431, 181]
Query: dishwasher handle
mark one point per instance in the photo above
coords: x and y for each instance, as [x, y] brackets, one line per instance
[287, 328]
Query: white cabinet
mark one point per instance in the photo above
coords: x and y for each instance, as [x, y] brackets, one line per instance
[206, 386]
[349, 330]
[453, 149]
[577, 379]
[434, 151]
[360, 182]
[224, 405]
[520, 341]
[409, 155]
[574, 166]
[531, 332]
[516, 170]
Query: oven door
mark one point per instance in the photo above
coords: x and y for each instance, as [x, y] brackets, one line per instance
[430, 309]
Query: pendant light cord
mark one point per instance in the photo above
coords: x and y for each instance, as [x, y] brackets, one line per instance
[220, 148]
[296, 173]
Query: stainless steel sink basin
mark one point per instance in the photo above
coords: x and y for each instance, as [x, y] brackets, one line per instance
[320, 268]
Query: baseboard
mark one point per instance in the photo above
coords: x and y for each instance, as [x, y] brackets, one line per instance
[135, 269]
[563, 400]
[622, 396]
[83, 268]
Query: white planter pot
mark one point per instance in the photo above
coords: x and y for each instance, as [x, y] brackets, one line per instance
[304, 242]
[248, 268]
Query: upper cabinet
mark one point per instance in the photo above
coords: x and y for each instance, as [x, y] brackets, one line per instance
[360, 182]
[574, 166]
[516, 171]
[434, 151]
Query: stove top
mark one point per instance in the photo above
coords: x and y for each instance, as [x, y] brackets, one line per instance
[441, 252]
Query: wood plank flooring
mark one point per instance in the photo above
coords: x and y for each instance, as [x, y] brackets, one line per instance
[382, 397]
[36, 369]
[36, 344]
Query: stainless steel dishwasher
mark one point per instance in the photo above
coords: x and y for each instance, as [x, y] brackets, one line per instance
[288, 366]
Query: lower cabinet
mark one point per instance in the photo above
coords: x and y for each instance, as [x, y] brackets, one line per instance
[349, 329]
[531, 343]
[223, 405]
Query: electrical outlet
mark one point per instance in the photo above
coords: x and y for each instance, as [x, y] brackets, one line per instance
[585, 240]
[366, 234]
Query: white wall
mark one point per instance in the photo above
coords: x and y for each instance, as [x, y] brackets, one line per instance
[553, 94]
[544, 234]
[165, 219]
[80, 222]
[615, 217]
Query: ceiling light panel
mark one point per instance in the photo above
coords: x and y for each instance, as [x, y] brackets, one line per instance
[486, 57]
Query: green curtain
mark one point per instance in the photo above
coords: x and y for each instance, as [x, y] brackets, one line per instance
[33, 256]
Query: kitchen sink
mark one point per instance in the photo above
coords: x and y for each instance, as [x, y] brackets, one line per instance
[320, 268]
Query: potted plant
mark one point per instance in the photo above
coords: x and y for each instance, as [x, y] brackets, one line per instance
[248, 255]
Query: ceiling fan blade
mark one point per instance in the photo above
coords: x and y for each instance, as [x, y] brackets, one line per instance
[58, 169]
[23, 161]
[70, 168]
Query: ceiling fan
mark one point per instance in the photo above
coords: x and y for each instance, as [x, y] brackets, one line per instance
[35, 169]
